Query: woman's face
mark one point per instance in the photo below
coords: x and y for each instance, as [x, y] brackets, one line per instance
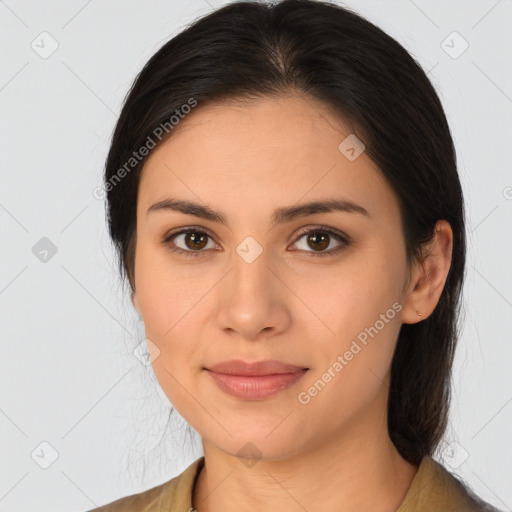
[255, 290]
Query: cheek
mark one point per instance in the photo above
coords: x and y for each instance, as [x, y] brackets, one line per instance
[351, 296]
[350, 367]
[168, 301]
[167, 293]
[359, 302]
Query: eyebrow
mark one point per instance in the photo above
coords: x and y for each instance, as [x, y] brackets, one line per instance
[279, 216]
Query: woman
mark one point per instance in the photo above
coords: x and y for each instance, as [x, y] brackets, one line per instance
[283, 194]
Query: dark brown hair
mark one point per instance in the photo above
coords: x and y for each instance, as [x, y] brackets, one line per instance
[248, 50]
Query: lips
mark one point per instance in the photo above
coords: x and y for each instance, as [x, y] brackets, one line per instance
[268, 367]
[254, 381]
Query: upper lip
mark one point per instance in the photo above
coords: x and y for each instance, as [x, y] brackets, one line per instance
[268, 367]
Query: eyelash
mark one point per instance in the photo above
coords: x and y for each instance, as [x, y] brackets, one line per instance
[318, 229]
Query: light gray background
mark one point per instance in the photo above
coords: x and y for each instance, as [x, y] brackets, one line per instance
[67, 331]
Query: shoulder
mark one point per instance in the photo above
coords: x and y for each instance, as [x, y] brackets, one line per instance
[176, 493]
[436, 489]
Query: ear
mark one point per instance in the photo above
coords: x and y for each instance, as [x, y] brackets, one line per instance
[428, 276]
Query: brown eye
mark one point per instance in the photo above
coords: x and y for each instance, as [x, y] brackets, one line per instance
[195, 240]
[190, 242]
[317, 240]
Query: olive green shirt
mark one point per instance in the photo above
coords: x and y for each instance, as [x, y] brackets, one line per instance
[433, 489]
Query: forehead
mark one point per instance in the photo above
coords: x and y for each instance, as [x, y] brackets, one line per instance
[271, 150]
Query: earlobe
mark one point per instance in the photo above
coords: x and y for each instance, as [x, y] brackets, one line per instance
[429, 276]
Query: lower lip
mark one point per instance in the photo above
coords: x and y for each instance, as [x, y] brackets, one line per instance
[255, 387]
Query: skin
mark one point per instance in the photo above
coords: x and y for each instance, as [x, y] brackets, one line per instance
[247, 160]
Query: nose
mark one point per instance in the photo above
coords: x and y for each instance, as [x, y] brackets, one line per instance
[253, 301]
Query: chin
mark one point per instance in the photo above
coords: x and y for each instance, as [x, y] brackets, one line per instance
[254, 446]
